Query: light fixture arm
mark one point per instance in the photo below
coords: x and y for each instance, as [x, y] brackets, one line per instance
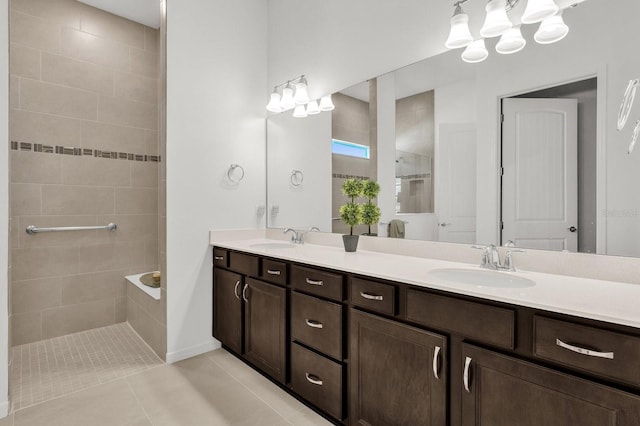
[293, 80]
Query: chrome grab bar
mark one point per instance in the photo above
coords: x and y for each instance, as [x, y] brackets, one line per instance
[32, 229]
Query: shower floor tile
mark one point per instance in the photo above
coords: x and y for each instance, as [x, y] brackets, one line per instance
[52, 368]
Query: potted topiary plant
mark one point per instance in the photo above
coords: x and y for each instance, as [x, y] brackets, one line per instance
[370, 212]
[351, 213]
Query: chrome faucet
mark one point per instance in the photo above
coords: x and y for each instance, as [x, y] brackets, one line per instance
[491, 258]
[297, 237]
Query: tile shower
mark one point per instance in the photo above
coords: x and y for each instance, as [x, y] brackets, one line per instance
[85, 126]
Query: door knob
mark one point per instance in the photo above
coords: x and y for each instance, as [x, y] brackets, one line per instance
[573, 229]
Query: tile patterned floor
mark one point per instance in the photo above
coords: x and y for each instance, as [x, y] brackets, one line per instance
[52, 368]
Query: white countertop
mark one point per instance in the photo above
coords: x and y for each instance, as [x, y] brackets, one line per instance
[608, 301]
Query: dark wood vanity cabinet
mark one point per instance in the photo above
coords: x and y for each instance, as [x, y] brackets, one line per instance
[227, 308]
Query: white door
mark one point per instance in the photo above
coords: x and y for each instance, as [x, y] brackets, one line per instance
[455, 183]
[540, 173]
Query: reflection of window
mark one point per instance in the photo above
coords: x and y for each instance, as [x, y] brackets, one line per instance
[349, 149]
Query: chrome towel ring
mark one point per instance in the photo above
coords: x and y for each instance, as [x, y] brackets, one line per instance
[297, 177]
[232, 172]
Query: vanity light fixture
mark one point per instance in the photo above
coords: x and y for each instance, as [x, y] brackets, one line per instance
[326, 104]
[312, 108]
[497, 23]
[301, 97]
[300, 111]
[299, 100]
[274, 101]
[287, 101]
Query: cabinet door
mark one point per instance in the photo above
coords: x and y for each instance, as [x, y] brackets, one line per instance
[265, 315]
[504, 391]
[227, 308]
[397, 374]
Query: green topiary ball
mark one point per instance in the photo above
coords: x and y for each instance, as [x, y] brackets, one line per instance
[370, 188]
[352, 187]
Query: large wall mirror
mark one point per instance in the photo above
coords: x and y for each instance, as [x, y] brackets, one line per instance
[520, 147]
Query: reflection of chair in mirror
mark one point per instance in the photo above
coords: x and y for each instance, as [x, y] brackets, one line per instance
[395, 228]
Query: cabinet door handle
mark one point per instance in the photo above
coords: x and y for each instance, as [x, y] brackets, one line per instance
[273, 272]
[371, 296]
[584, 351]
[436, 362]
[314, 282]
[235, 290]
[244, 293]
[314, 324]
[465, 375]
[218, 257]
[313, 379]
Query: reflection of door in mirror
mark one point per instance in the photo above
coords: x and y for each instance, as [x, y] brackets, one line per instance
[548, 157]
[354, 145]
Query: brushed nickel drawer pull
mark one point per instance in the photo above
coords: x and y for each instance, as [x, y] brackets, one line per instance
[235, 290]
[436, 362]
[314, 282]
[244, 293]
[218, 257]
[584, 351]
[371, 296]
[465, 376]
[313, 379]
[314, 324]
[273, 272]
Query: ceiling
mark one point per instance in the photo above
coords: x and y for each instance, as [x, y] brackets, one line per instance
[146, 12]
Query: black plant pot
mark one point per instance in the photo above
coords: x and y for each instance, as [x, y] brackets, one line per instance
[350, 242]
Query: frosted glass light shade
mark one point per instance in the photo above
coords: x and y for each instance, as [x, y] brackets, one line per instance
[287, 101]
[551, 30]
[301, 97]
[475, 52]
[497, 21]
[459, 35]
[326, 104]
[300, 111]
[274, 103]
[539, 10]
[312, 108]
[511, 42]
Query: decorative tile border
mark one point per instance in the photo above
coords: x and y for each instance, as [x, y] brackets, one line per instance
[343, 176]
[70, 150]
[420, 176]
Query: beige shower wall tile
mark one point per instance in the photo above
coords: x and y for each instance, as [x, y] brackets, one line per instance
[34, 167]
[41, 262]
[151, 39]
[70, 200]
[44, 128]
[63, 12]
[151, 253]
[15, 232]
[121, 309]
[78, 74]
[92, 286]
[34, 32]
[81, 170]
[24, 61]
[136, 200]
[109, 257]
[35, 295]
[107, 25]
[91, 48]
[111, 137]
[14, 92]
[144, 173]
[152, 142]
[135, 87]
[74, 318]
[148, 328]
[127, 113]
[144, 63]
[26, 328]
[25, 199]
[47, 239]
[53, 99]
[136, 227]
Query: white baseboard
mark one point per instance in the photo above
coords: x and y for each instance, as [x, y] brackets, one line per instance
[4, 409]
[192, 351]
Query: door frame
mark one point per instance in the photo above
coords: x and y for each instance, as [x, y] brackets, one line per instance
[601, 161]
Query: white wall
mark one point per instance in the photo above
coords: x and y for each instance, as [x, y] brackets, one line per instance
[4, 213]
[302, 144]
[216, 92]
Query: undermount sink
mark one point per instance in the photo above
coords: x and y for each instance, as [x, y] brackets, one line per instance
[482, 278]
[272, 246]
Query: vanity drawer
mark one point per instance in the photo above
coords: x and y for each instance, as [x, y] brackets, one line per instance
[374, 296]
[220, 257]
[317, 379]
[317, 323]
[321, 283]
[243, 263]
[483, 323]
[601, 352]
[274, 271]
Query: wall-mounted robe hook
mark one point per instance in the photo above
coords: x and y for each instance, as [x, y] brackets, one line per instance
[232, 172]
